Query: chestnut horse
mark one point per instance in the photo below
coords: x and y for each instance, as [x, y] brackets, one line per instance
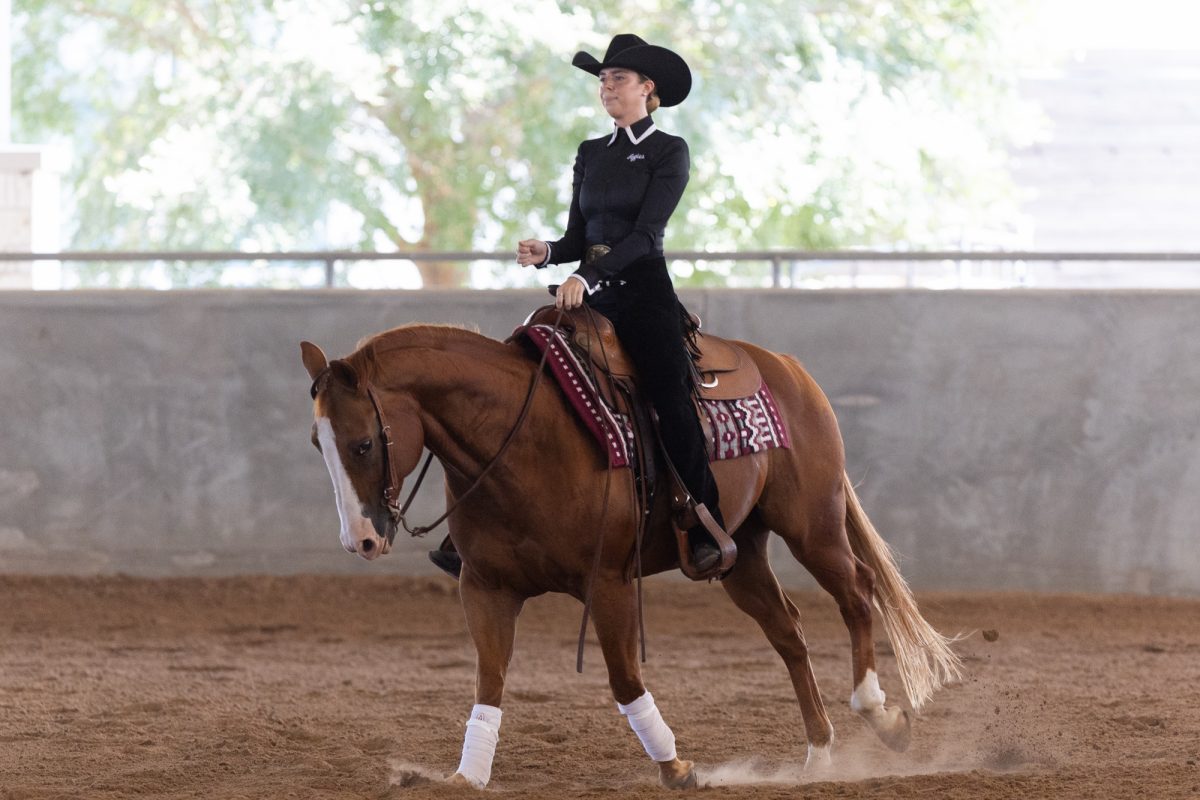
[533, 524]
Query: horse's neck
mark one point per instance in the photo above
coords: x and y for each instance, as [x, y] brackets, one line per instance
[469, 390]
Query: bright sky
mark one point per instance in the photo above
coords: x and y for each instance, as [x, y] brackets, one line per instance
[1120, 24]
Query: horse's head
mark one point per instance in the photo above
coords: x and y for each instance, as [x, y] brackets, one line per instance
[367, 453]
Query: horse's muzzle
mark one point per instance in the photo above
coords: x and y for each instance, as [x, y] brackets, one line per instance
[384, 525]
[373, 548]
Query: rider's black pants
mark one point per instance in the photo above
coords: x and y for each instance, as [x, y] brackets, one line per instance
[645, 311]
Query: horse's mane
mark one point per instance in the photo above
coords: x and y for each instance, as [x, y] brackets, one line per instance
[370, 349]
[415, 334]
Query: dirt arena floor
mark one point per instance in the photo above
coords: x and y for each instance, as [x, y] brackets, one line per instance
[335, 687]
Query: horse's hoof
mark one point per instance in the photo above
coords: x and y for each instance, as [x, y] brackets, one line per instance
[897, 733]
[677, 774]
[462, 781]
[819, 759]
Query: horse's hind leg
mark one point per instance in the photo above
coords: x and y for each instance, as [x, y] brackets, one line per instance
[755, 590]
[825, 552]
[492, 621]
[614, 615]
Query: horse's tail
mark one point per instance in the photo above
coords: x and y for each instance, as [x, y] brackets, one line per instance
[923, 656]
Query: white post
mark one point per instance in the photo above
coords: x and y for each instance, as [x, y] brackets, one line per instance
[5, 71]
[29, 213]
[29, 183]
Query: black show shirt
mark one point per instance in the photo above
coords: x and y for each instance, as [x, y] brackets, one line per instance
[626, 187]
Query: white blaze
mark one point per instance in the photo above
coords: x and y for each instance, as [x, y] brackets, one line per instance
[348, 505]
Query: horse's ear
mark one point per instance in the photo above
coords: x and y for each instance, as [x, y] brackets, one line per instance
[344, 373]
[313, 358]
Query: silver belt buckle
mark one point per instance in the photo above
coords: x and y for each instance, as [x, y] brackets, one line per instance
[596, 251]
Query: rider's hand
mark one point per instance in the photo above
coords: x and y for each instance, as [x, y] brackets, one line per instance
[531, 252]
[569, 295]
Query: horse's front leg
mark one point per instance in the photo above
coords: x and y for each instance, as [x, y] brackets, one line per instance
[492, 621]
[614, 614]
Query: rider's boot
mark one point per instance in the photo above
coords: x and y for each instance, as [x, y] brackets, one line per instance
[706, 550]
[447, 559]
[703, 549]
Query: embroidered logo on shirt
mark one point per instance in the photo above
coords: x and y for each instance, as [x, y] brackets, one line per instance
[636, 156]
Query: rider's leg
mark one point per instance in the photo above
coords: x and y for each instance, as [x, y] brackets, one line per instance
[651, 332]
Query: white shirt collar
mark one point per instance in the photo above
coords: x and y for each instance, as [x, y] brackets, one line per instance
[635, 138]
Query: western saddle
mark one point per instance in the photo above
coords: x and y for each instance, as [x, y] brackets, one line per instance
[722, 371]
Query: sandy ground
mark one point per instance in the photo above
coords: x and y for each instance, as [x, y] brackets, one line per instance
[338, 687]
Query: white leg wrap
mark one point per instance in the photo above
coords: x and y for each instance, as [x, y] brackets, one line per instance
[648, 724]
[479, 745]
[867, 695]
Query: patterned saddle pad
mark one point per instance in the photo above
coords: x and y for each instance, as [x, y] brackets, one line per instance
[735, 427]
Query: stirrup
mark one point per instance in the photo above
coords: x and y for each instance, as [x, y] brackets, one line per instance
[690, 516]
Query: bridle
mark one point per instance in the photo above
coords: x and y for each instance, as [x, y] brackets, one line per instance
[392, 483]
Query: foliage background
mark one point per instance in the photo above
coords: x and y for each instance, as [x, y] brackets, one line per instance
[451, 124]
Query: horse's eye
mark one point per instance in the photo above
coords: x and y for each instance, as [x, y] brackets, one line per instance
[364, 447]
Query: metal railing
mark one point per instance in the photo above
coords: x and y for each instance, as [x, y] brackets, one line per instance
[782, 262]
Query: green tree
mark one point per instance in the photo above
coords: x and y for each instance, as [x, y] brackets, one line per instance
[451, 125]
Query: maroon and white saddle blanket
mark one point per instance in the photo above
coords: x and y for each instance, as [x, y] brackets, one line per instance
[736, 427]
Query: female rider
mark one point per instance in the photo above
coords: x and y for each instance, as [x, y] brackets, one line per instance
[626, 185]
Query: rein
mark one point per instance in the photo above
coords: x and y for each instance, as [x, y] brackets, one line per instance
[640, 520]
[390, 495]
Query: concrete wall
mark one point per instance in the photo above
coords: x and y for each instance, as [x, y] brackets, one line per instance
[1007, 441]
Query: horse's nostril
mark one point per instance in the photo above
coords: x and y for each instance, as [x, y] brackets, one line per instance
[368, 546]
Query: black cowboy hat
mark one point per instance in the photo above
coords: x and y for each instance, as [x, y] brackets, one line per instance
[670, 73]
